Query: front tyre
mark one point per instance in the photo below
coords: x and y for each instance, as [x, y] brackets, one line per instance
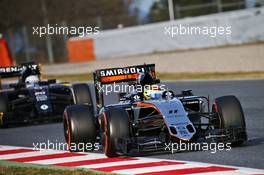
[114, 131]
[79, 127]
[231, 116]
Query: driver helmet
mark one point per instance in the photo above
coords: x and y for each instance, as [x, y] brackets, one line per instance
[152, 94]
[31, 79]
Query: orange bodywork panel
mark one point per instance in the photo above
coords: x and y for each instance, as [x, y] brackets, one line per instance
[81, 50]
[5, 56]
[116, 78]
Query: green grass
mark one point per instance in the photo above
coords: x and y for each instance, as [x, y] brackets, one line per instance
[173, 76]
[14, 168]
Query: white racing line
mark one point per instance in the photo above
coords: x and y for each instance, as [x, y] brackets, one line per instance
[120, 165]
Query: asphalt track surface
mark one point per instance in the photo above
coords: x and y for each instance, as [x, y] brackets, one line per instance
[249, 92]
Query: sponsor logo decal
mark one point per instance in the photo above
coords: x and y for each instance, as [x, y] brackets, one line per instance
[121, 71]
[44, 107]
[14, 69]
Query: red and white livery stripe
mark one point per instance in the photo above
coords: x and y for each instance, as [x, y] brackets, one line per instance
[121, 165]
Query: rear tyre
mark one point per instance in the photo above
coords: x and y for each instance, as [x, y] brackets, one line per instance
[114, 131]
[3, 110]
[79, 127]
[231, 117]
[82, 94]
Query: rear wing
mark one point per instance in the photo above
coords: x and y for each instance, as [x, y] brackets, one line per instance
[124, 74]
[118, 75]
[15, 71]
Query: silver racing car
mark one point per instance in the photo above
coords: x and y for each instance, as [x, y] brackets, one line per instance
[152, 118]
